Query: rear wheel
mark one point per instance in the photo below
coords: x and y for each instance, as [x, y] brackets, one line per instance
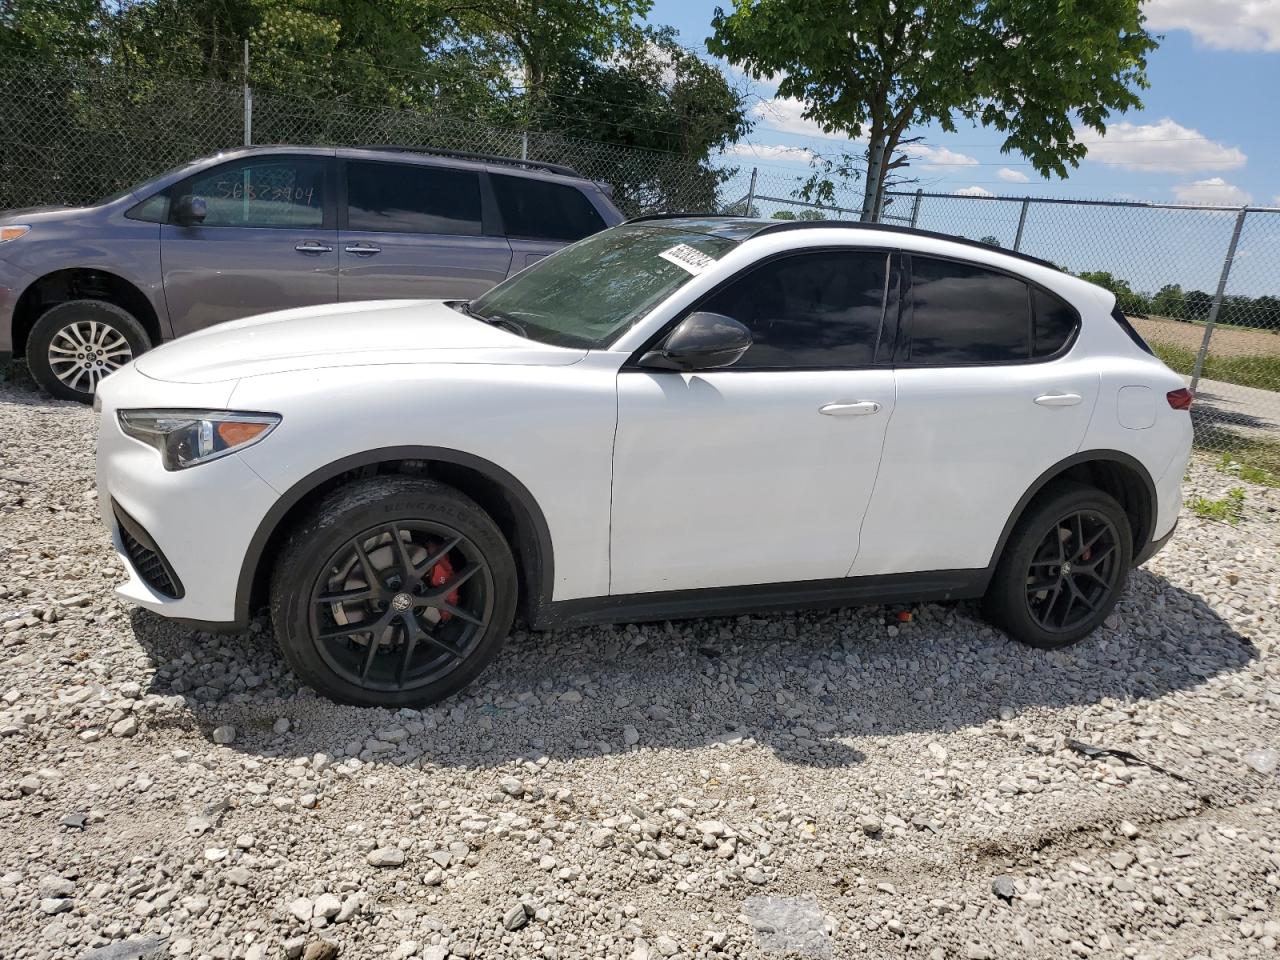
[1063, 568]
[75, 344]
[394, 591]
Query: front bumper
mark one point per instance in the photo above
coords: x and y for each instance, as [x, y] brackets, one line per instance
[199, 520]
[12, 283]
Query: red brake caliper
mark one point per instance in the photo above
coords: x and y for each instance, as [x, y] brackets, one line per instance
[441, 574]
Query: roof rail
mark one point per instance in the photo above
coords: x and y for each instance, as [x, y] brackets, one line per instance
[477, 157]
[784, 225]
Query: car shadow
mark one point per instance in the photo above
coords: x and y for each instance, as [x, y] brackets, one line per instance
[800, 683]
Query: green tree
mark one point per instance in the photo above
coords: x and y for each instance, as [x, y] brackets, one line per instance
[991, 240]
[1037, 72]
[1169, 301]
[1127, 299]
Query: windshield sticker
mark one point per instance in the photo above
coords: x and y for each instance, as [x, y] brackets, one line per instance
[687, 258]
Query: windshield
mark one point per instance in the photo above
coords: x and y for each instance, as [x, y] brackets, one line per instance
[588, 294]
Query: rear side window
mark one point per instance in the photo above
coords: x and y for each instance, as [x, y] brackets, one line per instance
[963, 314]
[262, 192]
[412, 198]
[543, 210]
[1055, 323]
[812, 310]
[1118, 315]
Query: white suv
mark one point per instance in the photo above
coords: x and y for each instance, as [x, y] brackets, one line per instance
[675, 417]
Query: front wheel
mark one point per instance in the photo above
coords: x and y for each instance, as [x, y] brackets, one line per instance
[393, 592]
[75, 344]
[1063, 568]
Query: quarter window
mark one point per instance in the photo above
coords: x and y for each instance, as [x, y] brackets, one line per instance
[1055, 323]
[412, 198]
[262, 192]
[543, 210]
[810, 311]
[963, 314]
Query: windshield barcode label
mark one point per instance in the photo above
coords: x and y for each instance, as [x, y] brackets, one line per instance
[687, 258]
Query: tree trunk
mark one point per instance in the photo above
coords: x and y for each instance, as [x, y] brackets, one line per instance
[874, 179]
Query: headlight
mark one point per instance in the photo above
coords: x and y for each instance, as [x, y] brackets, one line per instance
[13, 231]
[187, 437]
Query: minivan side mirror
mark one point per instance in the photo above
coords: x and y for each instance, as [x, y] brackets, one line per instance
[701, 341]
[189, 211]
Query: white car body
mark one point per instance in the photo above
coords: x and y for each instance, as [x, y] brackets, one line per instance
[640, 493]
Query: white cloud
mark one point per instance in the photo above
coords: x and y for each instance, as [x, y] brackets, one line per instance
[973, 192]
[1165, 146]
[1012, 176]
[1227, 24]
[1212, 190]
[767, 152]
[939, 156]
[785, 115]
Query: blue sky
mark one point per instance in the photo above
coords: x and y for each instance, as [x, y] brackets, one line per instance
[1207, 132]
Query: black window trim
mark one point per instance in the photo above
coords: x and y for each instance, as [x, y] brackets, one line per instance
[328, 217]
[490, 218]
[632, 364]
[906, 315]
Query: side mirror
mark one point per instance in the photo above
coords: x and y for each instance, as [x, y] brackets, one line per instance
[702, 341]
[189, 210]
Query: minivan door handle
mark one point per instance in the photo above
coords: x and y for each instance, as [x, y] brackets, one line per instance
[312, 247]
[1058, 399]
[362, 249]
[855, 408]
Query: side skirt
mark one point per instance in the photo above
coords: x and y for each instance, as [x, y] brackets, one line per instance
[730, 601]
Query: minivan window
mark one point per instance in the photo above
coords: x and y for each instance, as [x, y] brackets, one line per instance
[963, 314]
[412, 198]
[809, 310]
[542, 210]
[269, 191]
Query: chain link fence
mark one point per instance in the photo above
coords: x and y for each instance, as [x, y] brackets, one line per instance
[1202, 284]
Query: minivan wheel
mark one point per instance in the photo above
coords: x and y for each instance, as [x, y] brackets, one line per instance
[393, 592]
[1063, 568]
[75, 344]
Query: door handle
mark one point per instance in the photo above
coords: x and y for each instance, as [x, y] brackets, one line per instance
[362, 249]
[856, 408]
[1058, 399]
[313, 246]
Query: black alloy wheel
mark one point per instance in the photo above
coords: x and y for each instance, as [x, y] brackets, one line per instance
[1063, 568]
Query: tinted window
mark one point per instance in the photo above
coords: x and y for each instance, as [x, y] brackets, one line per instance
[541, 210]
[812, 310]
[406, 198]
[1055, 322]
[262, 192]
[153, 210]
[965, 314]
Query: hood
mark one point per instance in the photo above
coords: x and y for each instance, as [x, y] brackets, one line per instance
[36, 214]
[344, 335]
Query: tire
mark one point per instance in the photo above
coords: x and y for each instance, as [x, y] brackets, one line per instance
[345, 544]
[56, 354]
[1071, 602]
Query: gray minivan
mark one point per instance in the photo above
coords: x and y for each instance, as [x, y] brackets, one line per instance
[84, 290]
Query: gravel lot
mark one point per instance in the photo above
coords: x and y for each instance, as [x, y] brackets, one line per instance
[826, 784]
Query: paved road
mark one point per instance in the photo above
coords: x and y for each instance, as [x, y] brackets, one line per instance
[1245, 410]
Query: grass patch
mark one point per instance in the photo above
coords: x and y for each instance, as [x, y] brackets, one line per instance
[1248, 450]
[1232, 467]
[1261, 372]
[1229, 508]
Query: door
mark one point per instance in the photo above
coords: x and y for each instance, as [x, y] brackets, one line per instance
[989, 397]
[541, 216]
[267, 242]
[759, 472]
[416, 231]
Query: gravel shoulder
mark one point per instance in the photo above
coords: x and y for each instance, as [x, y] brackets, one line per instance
[830, 784]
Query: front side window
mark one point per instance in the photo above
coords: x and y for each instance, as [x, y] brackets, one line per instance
[588, 294]
[412, 198]
[262, 192]
[812, 310]
[542, 210]
[964, 314]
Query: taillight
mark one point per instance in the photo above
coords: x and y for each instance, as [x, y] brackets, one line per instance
[1179, 399]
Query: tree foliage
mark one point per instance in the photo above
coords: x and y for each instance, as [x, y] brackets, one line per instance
[1038, 72]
